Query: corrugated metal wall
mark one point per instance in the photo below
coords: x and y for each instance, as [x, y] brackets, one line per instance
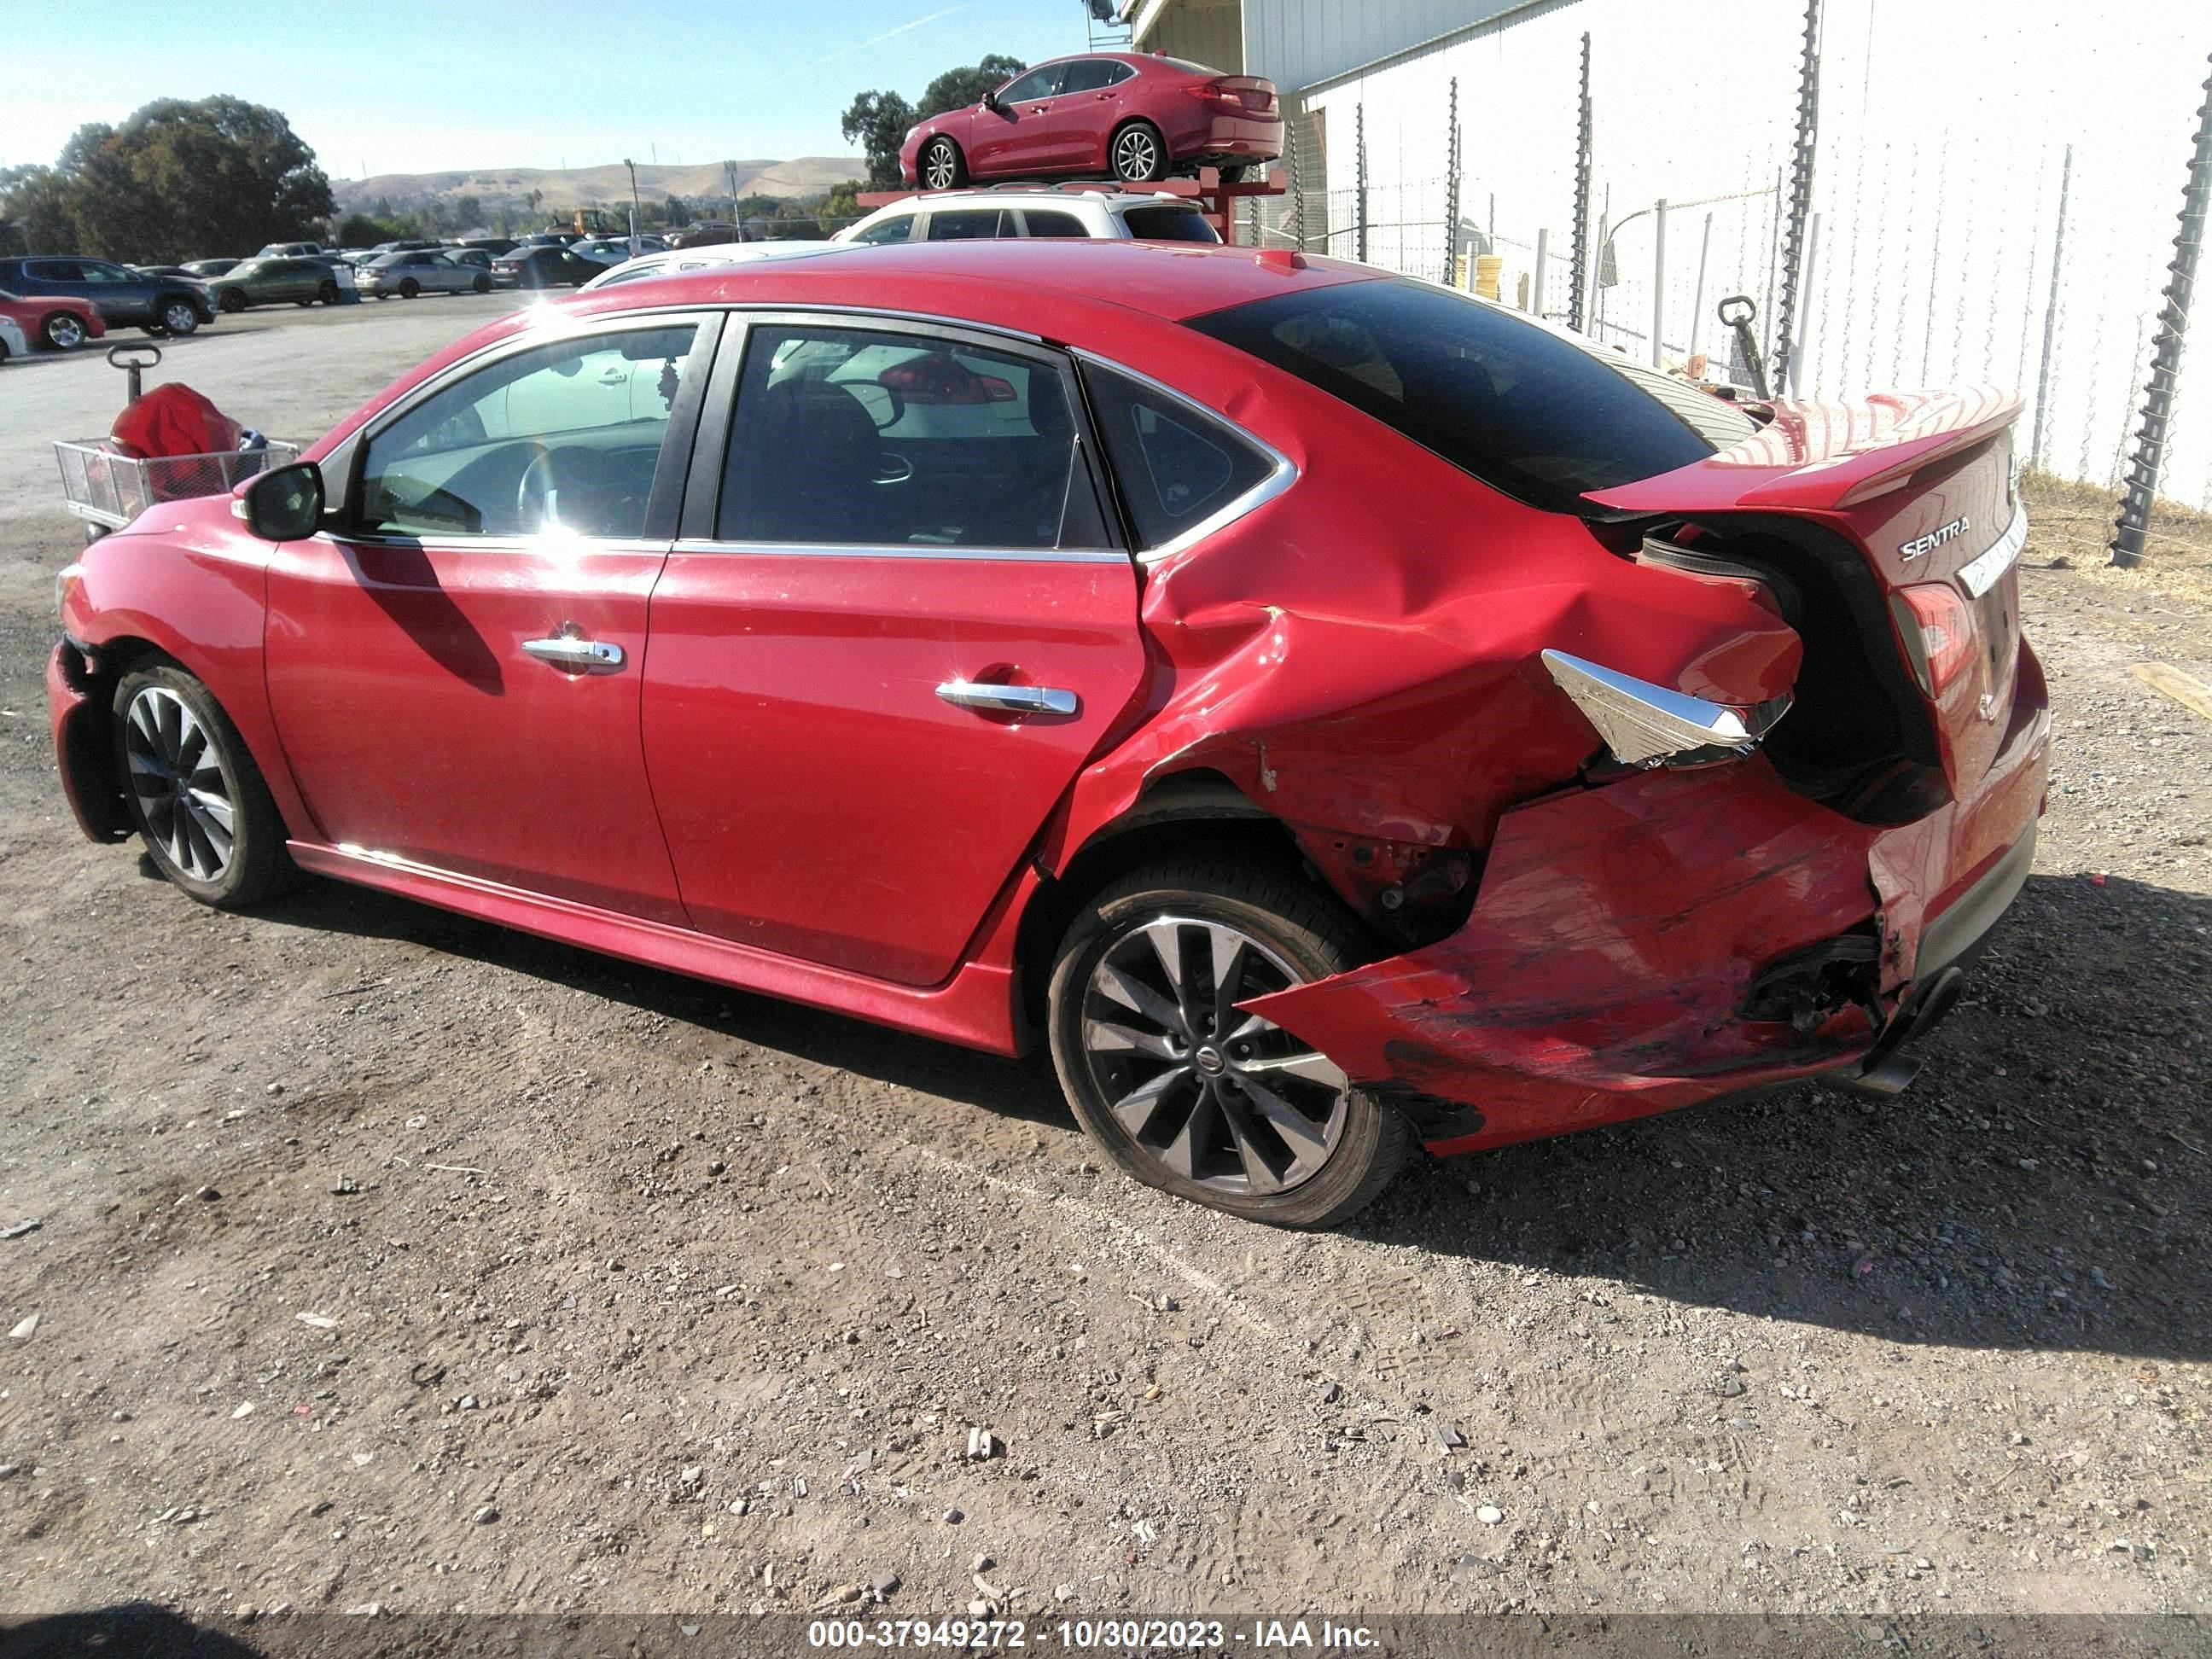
[1295, 42]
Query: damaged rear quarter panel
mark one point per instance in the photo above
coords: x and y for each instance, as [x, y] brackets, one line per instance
[1359, 655]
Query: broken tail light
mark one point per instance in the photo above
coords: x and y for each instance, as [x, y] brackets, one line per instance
[1645, 725]
[1938, 632]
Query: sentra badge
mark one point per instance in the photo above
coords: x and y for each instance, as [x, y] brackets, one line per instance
[1921, 546]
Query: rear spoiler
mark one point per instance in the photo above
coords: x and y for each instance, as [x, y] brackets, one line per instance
[1825, 456]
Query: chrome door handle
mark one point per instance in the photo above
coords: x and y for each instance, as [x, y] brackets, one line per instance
[1010, 699]
[569, 649]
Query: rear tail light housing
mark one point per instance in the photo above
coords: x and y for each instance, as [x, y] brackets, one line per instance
[1647, 724]
[1938, 633]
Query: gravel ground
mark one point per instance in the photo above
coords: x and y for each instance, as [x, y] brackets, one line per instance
[386, 1257]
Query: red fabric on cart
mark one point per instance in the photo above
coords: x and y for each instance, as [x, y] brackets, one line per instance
[173, 420]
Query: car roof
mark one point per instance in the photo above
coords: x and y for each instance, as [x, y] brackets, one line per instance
[1004, 281]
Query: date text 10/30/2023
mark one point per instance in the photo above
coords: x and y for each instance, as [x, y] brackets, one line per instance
[1148, 1635]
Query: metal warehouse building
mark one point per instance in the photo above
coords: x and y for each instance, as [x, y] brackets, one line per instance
[1946, 136]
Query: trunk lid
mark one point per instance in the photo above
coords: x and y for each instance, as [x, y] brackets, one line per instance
[1257, 96]
[1924, 489]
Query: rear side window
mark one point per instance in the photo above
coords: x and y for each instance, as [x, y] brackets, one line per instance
[1177, 467]
[970, 225]
[1044, 221]
[881, 439]
[891, 230]
[1534, 413]
[1093, 74]
[1170, 224]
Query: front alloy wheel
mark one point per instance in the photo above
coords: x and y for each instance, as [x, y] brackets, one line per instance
[194, 793]
[1189, 1093]
[940, 165]
[178, 318]
[64, 330]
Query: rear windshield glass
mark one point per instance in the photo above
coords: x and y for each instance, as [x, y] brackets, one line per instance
[1533, 412]
[1170, 224]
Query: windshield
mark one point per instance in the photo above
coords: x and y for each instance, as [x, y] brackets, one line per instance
[1531, 410]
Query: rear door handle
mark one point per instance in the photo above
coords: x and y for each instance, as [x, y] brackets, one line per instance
[1010, 699]
[569, 649]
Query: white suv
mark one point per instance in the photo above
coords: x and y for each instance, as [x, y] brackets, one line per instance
[1094, 211]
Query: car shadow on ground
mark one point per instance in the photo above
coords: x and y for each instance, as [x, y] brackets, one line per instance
[139, 1629]
[2041, 1185]
[1023, 1089]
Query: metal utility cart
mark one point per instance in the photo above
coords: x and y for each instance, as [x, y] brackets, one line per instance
[107, 489]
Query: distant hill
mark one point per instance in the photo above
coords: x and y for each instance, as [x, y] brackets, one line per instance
[605, 185]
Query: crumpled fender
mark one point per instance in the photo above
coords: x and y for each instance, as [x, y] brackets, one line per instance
[1599, 976]
[1383, 696]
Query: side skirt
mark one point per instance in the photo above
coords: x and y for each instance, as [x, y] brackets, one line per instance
[974, 1007]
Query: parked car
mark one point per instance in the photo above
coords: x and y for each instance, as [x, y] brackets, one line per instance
[490, 245]
[55, 320]
[13, 343]
[475, 257]
[543, 267]
[1090, 211]
[405, 245]
[158, 272]
[203, 270]
[549, 238]
[291, 251]
[1027, 660]
[159, 305]
[1137, 116]
[707, 232]
[423, 272]
[259, 282]
[607, 251]
[674, 261]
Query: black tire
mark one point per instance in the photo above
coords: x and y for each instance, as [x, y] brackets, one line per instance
[177, 832]
[1309, 936]
[180, 317]
[64, 330]
[409, 288]
[232, 302]
[482, 285]
[941, 160]
[1137, 155]
[328, 294]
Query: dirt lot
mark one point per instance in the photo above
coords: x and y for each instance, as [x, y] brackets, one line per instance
[631, 1294]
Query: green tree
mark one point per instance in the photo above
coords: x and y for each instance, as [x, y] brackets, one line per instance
[468, 213]
[840, 207]
[877, 121]
[359, 230]
[34, 211]
[956, 88]
[180, 180]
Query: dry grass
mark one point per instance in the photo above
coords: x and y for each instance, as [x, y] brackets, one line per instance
[2074, 521]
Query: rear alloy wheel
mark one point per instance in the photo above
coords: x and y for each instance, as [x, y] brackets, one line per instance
[64, 330]
[482, 285]
[194, 793]
[328, 294]
[1184, 1091]
[1139, 155]
[410, 289]
[178, 317]
[232, 302]
[942, 167]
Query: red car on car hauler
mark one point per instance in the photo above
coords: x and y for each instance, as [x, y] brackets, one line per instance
[1138, 116]
[1326, 708]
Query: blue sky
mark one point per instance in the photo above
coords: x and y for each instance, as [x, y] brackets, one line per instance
[402, 86]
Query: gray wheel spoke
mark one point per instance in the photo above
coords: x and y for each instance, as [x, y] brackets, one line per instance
[1182, 1154]
[1258, 1173]
[1138, 997]
[1313, 1067]
[1167, 945]
[1293, 1125]
[184, 798]
[1136, 1107]
[1102, 1037]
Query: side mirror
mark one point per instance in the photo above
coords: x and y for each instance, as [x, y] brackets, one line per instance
[286, 505]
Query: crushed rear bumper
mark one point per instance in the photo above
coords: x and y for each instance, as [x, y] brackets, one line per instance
[1620, 931]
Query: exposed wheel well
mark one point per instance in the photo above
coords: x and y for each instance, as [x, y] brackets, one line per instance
[1190, 812]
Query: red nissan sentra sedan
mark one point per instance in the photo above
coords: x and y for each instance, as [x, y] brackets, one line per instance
[1140, 116]
[1329, 710]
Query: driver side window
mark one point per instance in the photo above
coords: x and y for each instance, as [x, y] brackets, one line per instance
[564, 437]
